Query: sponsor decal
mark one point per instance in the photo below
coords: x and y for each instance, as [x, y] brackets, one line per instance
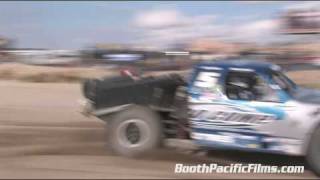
[232, 116]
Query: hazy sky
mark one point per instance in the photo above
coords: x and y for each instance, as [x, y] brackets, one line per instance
[73, 25]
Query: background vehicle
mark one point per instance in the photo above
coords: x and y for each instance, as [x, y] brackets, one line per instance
[225, 104]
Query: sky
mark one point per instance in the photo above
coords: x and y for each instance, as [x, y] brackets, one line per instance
[76, 25]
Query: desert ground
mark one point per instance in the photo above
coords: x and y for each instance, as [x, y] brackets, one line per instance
[44, 135]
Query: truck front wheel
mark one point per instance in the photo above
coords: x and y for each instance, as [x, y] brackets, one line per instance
[134, 131]
[313, 154]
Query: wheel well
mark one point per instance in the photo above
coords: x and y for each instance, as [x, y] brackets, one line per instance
[173, 126]
[308, 139]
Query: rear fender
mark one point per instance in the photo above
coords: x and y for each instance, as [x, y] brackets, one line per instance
[102, 113]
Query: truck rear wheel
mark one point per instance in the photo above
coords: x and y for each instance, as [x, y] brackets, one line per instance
[313, 154]
[135, 131]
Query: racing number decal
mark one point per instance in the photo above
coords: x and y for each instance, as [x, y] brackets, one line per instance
[207, 79]
[206, 84]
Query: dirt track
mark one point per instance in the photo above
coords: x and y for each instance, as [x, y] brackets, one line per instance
[43, 135]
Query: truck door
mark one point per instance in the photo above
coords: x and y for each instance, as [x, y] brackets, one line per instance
[252, 90]
[243, 101]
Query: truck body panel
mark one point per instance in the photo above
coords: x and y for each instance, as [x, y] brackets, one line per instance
[279, 126]
[229, 104]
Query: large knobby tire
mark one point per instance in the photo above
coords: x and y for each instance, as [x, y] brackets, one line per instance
[313, 154]
[134, 132]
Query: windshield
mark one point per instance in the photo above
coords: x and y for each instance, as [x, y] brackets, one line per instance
[283, 81]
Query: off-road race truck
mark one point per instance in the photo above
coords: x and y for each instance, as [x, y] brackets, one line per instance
[231, 104]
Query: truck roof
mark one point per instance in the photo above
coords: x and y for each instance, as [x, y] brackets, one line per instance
[255, 65]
